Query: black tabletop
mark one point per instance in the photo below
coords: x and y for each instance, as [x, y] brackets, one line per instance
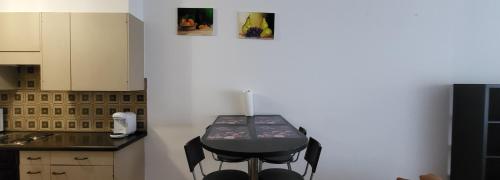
[256, 136]
[75, 141]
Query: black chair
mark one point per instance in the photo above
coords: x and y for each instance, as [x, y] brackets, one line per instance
[287, 159]
[194, 155]
[227, 159]
[312, 157]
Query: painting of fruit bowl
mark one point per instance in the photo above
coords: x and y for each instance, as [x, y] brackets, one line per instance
[195, 21]
[256, 25]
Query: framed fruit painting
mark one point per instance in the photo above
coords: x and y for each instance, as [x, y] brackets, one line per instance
[195, 21]
[256, 25]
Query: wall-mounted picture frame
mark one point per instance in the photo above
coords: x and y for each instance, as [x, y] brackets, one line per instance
[195, 21]
[256, 25]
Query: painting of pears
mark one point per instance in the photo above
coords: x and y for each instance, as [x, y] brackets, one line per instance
[256, 25]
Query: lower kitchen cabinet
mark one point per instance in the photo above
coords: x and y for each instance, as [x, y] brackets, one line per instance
[124, 164]
[9, 173]
[34, 172]
[9, 160]
[81, 172]
[81, 158]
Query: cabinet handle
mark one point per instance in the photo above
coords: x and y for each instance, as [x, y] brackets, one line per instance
[34, 158]
[58, 173]
[81, 159]
[31, 173]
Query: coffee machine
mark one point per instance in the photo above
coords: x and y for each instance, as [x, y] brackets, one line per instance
[124, 123]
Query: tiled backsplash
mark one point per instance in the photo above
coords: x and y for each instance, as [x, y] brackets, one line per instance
[30, 109]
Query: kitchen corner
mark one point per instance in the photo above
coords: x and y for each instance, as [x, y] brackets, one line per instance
[72, 107]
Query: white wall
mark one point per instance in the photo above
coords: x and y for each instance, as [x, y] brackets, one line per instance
[477, 57]
[136, 7]
[369, 79]
[64, 5]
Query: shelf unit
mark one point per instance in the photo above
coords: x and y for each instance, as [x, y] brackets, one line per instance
[476, 132]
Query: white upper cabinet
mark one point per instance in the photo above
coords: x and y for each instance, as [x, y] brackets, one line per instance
[20, 38]
[20, 32]
[76, 51]
[106, 52]
[56, 52]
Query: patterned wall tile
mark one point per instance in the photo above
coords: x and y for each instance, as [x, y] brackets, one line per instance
[71, 98]
[19, 98]
[18, 111]
[30, 109]
[45, 124]
[113, 98]
[19, 124]
[58, 125]
[45, 111]
[99, 98]
[85, 125]
[85, 98]
[72, 125]
[140, 98]
[32, 123]
[6, 97]
[57, 97]
[45, 97]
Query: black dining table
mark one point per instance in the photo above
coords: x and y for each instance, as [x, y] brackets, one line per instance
[253, 137]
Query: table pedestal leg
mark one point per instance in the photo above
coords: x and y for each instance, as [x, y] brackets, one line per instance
[253, 168]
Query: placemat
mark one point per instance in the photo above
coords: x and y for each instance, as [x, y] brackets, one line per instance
[231, 120]
[268, 120]
[228, 132]
[275, 131]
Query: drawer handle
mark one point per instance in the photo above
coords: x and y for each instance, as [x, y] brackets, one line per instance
[58, 173]
[81, 159]
[37, 172]
[34, 158]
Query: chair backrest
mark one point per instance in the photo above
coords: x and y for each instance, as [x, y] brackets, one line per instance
[430, 177]
[399, 178]
[303, 131]
[312, 153]
[194, 152]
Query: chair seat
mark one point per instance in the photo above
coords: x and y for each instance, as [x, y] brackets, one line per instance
[225, 158]
[278, 159]
[279, 174]
[227, 175]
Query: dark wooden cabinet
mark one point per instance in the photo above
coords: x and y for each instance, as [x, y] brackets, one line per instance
[475, 153]
[9, 165]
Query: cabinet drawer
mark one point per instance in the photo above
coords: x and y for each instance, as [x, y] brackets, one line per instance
[34, 172]
[81, 172]
[82, 158]
[34, 158]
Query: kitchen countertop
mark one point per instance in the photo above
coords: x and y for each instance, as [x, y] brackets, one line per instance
[77, 141]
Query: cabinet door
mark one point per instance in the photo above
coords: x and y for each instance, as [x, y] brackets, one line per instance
[32, 172]
[84, 158]
[81, 172]
[34, 158]
[9, 160]
[56, 61]
[20, 31]
[9, 173]
[99, 51]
